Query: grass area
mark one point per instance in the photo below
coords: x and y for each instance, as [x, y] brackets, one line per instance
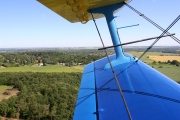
[49, 68]
[3, 89]
[78, 67]
[171, 71]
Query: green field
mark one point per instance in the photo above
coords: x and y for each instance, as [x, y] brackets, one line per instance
[171, 71]
[49, 68]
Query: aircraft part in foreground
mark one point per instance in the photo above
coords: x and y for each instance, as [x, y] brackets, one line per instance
[63, 9]
[149, 94]
[80, 9]
[145, 94]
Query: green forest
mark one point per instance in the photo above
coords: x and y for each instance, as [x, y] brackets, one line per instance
[17, 59]
[45, 96]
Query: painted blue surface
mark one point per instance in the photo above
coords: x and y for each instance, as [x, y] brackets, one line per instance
[86, 101]
[108, 13]
[149, 94]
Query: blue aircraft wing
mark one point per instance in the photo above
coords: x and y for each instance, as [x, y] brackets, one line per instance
[149, 94]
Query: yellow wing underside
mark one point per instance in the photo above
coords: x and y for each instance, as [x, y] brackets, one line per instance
[68, 9]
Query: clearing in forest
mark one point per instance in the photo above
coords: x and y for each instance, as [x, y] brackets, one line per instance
[7, 91]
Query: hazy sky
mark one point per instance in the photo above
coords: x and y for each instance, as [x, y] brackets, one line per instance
[27, 23]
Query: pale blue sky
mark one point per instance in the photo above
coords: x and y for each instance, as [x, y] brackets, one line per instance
[27, 23]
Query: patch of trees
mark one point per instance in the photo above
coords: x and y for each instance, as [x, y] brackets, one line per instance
[52, 58]
[173, 49]
[173, 62]
[43, 96]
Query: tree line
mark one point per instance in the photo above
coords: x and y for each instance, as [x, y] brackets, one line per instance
[50, 57]
[173, 62]
[68, 57]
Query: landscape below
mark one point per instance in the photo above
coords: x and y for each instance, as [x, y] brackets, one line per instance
[43, 83]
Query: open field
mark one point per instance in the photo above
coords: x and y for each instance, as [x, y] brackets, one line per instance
[49, 68]
[145, 57]
[153, 56]
[171, 71]
[79, 68]
[164, 58]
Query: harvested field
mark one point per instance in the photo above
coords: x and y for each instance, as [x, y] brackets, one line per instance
[164, 58]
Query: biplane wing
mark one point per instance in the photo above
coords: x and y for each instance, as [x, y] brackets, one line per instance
[62, 8]
[149, 94]
[121, 87]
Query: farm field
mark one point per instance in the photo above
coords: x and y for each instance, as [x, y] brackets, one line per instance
[154, 56]
[49, 68]
[145, 57]
[164, 58]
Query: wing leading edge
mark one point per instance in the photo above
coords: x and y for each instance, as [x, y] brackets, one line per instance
[149, 94]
